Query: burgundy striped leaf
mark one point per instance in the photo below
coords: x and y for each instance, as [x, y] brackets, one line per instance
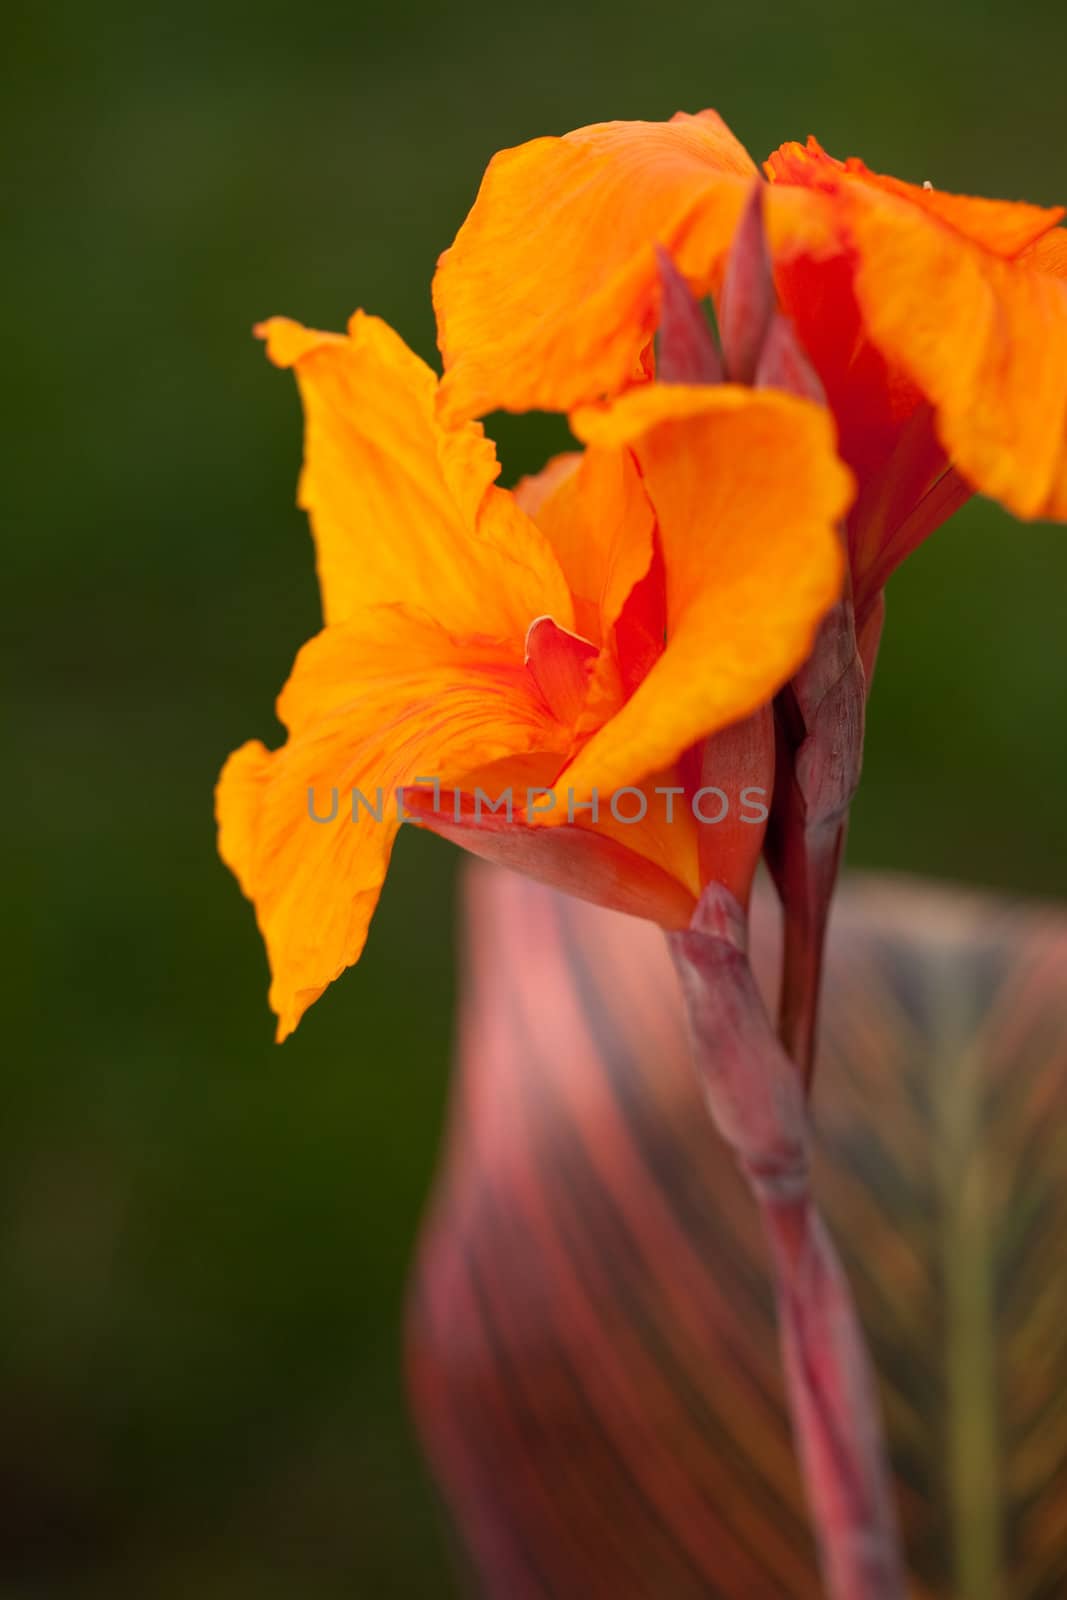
[593, 1354]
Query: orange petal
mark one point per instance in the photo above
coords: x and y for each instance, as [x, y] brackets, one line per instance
[985, 339]
[404, 510]
[748, 493]
[372, 705]
[1049, 254]
[533, 491]
[957, 295]
[598, 520]
[550, 291]
[667, 834]
[1004, 227]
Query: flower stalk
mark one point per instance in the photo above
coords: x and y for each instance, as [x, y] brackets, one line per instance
[819, 717]
[756, 1100]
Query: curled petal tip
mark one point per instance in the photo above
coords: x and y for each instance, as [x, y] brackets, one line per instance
[560, 662]
[287, 341]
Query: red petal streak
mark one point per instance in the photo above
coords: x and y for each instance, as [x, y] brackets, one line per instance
[560, 663]
[685, 346]
[640, 633]
[748, 300]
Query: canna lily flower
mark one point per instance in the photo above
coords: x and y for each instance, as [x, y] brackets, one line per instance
[937, 323]
[584, 635]
[934, 324]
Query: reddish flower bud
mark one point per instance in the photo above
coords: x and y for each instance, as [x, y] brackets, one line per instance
[748, 302]
[686, 351]
[782, 363]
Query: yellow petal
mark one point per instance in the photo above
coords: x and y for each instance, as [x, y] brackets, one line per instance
[404, 510]
[373, 704]
[748, 493]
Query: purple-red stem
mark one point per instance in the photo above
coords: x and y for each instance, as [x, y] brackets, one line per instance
[820, 718]
[805, 874]
[756, 1100]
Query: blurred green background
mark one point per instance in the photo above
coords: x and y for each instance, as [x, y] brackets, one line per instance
[204, 1239]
